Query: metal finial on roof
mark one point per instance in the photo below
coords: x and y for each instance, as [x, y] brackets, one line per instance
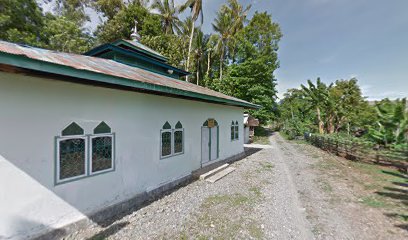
[135, 36]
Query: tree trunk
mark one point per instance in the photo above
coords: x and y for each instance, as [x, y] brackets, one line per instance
[197, 72]
[319, 119]
[189, 48]
[221, 61]
[208, 64]
[330, 125]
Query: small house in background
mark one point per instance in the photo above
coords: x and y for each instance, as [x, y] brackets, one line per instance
[249, 127]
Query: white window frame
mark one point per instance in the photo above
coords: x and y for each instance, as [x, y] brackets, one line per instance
[58, 163]
[182, 143]
[112, 135]
[234, 125]
[236, 131]
[171, 143]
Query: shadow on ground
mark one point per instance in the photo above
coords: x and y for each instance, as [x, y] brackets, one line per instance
[109, 231]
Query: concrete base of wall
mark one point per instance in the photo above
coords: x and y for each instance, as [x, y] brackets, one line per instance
[108, 215]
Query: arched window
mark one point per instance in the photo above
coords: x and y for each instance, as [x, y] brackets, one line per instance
[71, 153]
[171, 140]
[178, 138]
[234, 130]
[165, 136]
[102, 151]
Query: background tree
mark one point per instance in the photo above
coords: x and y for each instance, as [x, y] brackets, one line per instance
[168, 14]
[223, 26]
[252, 77]
[196, 7]
[21, 21]
[392, 124]
[120, 26]
[318, 96]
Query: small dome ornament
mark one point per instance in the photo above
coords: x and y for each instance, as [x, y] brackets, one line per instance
[135, 36]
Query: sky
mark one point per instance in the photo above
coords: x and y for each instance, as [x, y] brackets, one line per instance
[336, 39]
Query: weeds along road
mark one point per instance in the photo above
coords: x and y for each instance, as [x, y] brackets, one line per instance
[278, 193]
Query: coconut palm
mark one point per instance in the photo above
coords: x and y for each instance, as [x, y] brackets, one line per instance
[238, 13]
[223, 25]
[196, 7]
[168, 14]
[210, 50]
[200, 43]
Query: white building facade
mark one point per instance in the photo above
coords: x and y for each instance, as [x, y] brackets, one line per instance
[69, 150]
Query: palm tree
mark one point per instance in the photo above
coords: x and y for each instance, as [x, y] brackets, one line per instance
[239, 15]
[211, 47]
[229, 20]
[183, 32]
[223, 26]
[199, 53]
[168, 14]
[196, 7]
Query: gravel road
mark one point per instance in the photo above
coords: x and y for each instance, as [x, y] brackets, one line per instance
[273, 194]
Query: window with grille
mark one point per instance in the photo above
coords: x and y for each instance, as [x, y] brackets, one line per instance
[234, 130]
[166, 133]
[101, 149]
[71, 153]
[171, 140]
[73, 160]
[178, 138]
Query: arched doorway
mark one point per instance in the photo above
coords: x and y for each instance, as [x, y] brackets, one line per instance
[209, 141]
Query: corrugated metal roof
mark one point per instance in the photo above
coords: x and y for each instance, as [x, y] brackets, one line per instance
[111, 68]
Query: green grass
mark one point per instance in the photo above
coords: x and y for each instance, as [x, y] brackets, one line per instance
[233, 200]
[326, 187]
[267, 166]
[256, 191]
[226, 216]
[374, 202]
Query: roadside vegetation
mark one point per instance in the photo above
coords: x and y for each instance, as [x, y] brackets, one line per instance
[338, 114]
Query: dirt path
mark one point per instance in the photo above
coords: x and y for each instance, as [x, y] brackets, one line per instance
[275, 193]
[332, 190]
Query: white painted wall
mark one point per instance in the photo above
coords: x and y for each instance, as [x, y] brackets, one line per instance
[34, 111]
[246, 134]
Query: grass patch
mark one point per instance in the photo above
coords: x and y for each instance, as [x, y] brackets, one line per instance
[256, 191]
[267, 166]
[255, 231]
[225, 216]
[233, 200]
[326, 187]
[374, 202]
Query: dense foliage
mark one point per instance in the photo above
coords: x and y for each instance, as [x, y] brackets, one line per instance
[339, 108]
[239, 58]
